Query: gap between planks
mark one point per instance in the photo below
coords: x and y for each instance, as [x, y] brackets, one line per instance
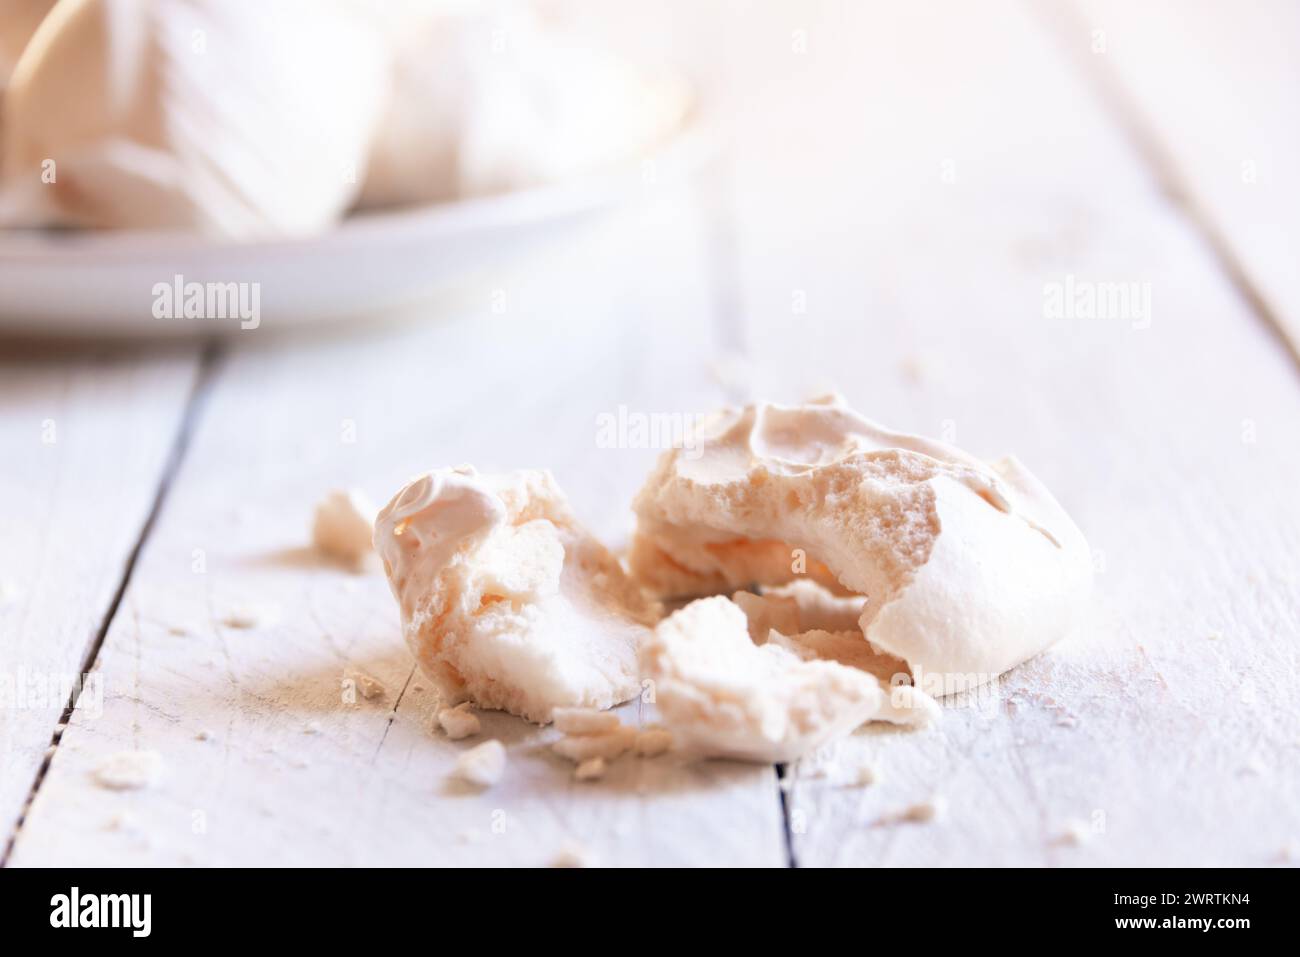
[203, 380]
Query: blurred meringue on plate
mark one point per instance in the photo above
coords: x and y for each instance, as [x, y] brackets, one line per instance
[491, 98]
[232, 118]
[20, 20]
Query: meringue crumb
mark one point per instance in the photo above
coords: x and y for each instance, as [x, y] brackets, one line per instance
[579, 748]
[573, 855]
[248, 617]
[863, 776]
[590, 770]
[584, 720]
[203, 734]
[129, 770]
[914, 369]
[458, 722]
[121, 821]
[1074, 833]
[370, 687]
[482, 765]
[652, 742]
[922, 812]
[343, 525]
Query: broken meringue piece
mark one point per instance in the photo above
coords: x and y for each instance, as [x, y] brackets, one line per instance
[801, 605]
[810, 622]
[505, 599]
[343, 525]
[968, 568]
[723, 696]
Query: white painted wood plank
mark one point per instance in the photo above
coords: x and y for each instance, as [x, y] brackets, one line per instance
[291, 773]
[84, 439]
[1213, 85]
[906, 187]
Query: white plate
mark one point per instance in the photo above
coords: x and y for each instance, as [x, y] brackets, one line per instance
[103, 283]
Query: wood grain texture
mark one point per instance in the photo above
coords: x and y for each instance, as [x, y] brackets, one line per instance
[938, 166]
[906, 183]
[1213, 88]
[266, 759]
[84, 439]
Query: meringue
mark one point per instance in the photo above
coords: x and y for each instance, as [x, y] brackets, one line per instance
[19, 23]
[723, 696]
[487, 101]
[584, 721]
[967, 568]
[810, 622]
[17, 26]
[653, 742]
[505, 599]
[606, 745]
[233, 118]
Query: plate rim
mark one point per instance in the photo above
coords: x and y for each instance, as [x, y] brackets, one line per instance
[695, 141]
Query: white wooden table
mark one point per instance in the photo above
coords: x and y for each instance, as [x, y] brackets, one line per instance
[902, 183]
